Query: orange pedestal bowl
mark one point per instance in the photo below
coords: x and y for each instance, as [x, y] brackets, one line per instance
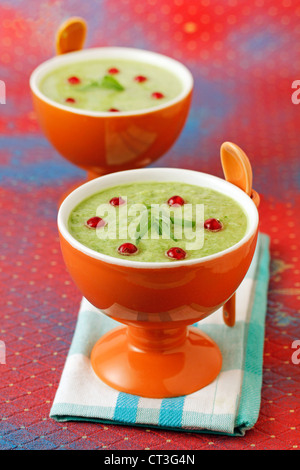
[157, 354]
[104, 142]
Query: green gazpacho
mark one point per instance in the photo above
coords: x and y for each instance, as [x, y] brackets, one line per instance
[158, 221]
[107, 85]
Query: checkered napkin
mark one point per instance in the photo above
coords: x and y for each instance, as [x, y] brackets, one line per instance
[229, 405]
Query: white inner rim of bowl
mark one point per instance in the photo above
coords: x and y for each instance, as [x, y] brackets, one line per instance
[163, 175]
[122, 53]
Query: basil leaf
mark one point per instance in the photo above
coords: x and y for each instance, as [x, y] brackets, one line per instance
[155, 224]
[106, 82]
[91, 84]
[143, 226]
[165, 224]
[183, 222]
[110, 82]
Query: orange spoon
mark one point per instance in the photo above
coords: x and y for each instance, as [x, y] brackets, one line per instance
[237, 170]
[70, 35]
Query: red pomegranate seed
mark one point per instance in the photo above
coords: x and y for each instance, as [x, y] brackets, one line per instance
[113, 70]
[176, 253]
[74, 80]
[157, 95]
[70, 100]
[214, 225]
[117, 201]
[176, 201]
[95, 222]
[127, 249]
[113, 110]
[140, 78]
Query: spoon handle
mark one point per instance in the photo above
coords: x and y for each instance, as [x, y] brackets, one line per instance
[237, 170]
[229, 311]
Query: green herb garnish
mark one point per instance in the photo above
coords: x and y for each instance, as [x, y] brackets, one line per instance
[143, 226]
[162, 223]
[107, 81]
[183, 222]
[111, 82]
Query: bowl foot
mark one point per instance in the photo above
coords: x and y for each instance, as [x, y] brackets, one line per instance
[177, 362]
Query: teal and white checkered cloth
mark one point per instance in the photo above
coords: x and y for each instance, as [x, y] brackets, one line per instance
[229, 405]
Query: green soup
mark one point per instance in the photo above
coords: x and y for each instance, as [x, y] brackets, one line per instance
[110, 85]
[146, 219]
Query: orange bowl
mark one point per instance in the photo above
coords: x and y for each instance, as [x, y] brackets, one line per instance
[103, 142]
[157, 354]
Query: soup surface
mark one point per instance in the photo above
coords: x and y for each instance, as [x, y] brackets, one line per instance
[110, 85]
[158, 221]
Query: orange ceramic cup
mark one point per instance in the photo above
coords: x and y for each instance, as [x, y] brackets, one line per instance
[157, 354]
[103, 142]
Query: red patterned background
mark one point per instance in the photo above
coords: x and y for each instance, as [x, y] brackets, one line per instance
[244, 57]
